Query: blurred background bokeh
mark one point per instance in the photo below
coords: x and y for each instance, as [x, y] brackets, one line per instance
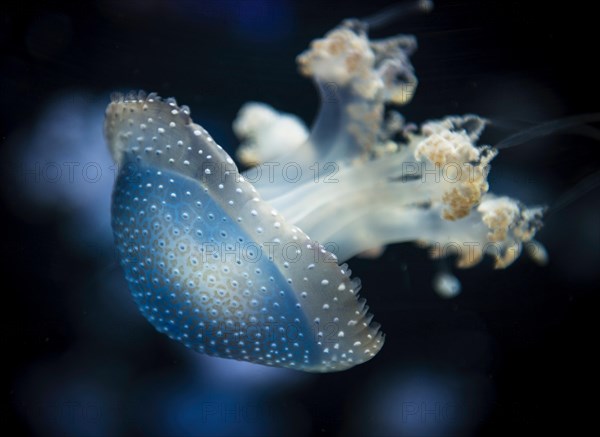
[514, 351]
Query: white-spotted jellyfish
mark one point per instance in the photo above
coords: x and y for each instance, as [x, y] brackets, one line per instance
[238, 269]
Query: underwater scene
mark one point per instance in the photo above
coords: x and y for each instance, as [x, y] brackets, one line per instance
[277, 217]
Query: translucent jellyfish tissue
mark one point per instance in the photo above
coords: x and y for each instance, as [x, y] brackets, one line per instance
[254, 271]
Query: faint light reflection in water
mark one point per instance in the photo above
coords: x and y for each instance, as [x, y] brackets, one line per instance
[421, 402]
[62, 165]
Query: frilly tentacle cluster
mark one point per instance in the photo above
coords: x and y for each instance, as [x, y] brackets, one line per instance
[373, 70]
[394, 182]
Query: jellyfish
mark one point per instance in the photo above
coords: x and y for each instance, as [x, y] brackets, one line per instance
[251, 266]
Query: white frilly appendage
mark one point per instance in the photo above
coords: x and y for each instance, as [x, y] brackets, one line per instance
[266, 132]
[364, 178]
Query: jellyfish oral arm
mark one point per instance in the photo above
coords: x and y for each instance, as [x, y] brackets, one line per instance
[382, 180]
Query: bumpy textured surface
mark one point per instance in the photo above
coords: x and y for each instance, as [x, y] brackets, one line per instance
[215, 267]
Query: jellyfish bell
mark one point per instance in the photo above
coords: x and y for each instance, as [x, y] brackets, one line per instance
[215, 267]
